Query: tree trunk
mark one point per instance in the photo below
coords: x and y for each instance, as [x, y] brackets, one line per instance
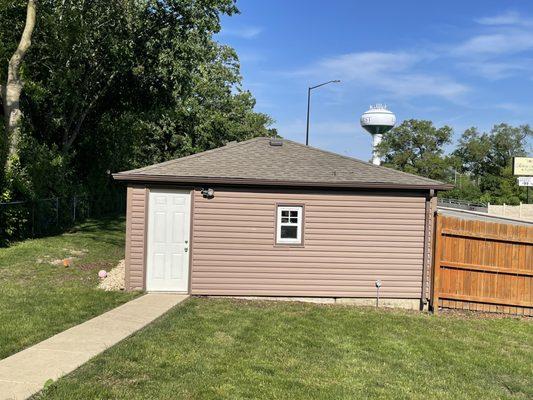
[11, 91]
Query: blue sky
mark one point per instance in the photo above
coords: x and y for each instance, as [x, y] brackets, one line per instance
[461, 63]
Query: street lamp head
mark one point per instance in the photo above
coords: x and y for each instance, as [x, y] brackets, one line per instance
[309, 104]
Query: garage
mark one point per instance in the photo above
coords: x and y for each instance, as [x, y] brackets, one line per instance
[272, 217]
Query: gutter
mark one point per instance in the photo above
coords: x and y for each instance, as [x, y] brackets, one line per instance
[138, 178]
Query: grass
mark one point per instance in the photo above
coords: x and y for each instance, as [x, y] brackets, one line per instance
[39, 299]
[228, 349]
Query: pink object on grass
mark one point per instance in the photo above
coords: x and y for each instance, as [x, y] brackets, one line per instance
[102, 273]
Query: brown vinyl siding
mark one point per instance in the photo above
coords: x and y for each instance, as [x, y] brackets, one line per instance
[136, 237]
[351, 239]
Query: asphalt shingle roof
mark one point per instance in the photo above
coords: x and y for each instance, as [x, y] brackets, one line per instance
[258, 160]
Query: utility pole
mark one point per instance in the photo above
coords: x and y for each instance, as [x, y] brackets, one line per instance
[309, 105]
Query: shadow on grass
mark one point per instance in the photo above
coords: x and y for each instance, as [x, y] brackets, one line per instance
[93, 229]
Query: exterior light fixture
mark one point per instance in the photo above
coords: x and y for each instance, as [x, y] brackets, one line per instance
[378, 285]
[208, 193]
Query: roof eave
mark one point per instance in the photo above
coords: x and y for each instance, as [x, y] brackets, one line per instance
[142, 178]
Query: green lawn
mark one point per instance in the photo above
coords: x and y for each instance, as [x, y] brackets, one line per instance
[39, 299]
[228, 349]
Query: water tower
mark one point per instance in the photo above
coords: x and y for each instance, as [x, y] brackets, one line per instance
[376, 121]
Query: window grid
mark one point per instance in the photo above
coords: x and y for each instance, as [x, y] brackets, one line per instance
[289, 224]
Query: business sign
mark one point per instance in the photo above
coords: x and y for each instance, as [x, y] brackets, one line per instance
[523, 166]
[525, 181]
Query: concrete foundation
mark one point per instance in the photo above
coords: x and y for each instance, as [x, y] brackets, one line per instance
[407, 304]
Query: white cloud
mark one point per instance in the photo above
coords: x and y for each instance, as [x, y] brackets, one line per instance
[507, 41]
[506, 18]
[248, 32]
[393, 73]
[495, 70]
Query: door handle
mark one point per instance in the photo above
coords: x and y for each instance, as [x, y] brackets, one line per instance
[186, 249]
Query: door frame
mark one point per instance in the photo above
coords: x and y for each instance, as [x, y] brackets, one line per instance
[189, 191]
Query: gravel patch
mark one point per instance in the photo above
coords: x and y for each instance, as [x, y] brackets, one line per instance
[115, 278]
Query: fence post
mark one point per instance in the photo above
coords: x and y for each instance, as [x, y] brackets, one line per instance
[437, 256]
[32, 219]
[57, 212]
[74, 209]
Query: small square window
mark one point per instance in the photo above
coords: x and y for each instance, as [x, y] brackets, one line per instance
[289, 225]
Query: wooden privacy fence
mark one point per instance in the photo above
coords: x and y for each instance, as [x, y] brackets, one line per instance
[483, 266]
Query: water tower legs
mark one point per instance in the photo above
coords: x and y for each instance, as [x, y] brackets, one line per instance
[376, 140]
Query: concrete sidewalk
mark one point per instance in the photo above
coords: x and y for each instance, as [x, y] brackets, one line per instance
[25, 372]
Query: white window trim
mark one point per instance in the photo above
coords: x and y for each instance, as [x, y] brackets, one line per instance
[298, 239]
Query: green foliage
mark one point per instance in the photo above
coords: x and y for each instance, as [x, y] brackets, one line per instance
[487, 158]
[417, 147]
[114, 85]
[479, 167]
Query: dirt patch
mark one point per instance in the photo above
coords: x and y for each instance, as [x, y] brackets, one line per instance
[74, 254]
[96, 265]
[115, 278]
[471, 314]
[78, 253]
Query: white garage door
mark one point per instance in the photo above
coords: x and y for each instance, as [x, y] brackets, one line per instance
[167, 266]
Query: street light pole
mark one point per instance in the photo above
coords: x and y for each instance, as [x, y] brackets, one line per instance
[309, 105]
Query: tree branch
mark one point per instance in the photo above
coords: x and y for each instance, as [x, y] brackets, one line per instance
[24, 44]
[83, 116]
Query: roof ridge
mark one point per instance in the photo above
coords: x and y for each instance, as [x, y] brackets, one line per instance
[361, 161]
[195, 155]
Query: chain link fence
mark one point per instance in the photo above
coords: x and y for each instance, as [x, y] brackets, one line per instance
[28, 219]
[463, 205]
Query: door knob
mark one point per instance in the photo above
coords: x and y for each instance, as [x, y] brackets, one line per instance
[186, 249]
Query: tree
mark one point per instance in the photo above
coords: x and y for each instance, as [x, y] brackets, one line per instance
[417, 147]
[487, 158]
[11, 91]
[113, 85]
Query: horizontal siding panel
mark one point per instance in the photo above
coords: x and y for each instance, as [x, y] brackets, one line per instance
[304, 257]
[136, 219]
[299, 252]
[381, 270]
[316, 246]
[356, 285]
[239, 220]
[322, 212]
[329, 205]
[363, 241]
[311, 278]
[397, 264]
[351, 239]
[354, 235]
[305, 291]
[302, 293]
